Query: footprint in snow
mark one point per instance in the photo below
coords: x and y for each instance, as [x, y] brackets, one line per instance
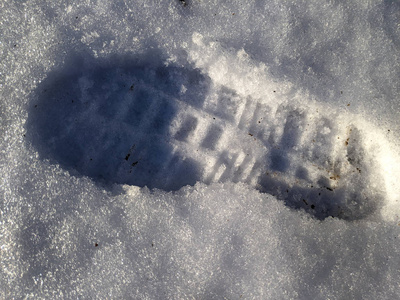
[146, 123]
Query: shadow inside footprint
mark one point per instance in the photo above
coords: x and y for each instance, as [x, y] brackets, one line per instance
[109, 119]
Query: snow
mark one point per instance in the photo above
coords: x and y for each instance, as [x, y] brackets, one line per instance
[194, 150]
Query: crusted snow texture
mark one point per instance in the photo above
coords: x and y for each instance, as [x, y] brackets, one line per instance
[199, 149]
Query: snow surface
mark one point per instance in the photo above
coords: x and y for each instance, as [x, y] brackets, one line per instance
[194, 150]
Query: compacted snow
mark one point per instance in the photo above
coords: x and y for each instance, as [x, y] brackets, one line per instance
[193, 150]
